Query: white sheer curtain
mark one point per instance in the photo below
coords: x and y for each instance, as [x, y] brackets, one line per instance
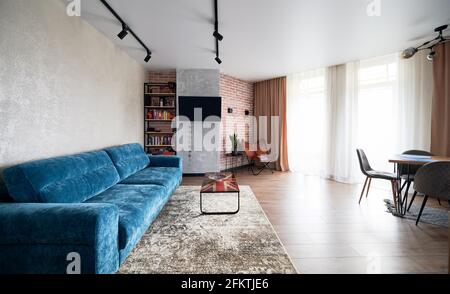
[342, 125]
[415, 100]
[382, 105]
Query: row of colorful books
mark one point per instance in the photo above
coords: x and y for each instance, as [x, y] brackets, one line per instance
[160, 114]
[159, 140]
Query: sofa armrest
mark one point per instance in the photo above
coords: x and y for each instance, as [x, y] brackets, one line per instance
[166, 161]
[37, 237]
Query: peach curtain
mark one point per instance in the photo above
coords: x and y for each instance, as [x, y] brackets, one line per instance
[440, 117]
[270, 100]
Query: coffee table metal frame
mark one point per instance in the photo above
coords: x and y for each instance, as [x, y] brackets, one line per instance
[210, 186]
[220, 212]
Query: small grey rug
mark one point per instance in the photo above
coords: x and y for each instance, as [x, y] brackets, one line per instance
[183, 241]
[430, 215]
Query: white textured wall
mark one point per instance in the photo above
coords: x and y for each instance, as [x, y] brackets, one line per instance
[64, 87]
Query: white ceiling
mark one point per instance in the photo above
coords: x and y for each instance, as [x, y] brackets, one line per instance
[267, 38]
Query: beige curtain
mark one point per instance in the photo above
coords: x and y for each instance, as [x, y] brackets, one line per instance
[440, 117]
[270, 100]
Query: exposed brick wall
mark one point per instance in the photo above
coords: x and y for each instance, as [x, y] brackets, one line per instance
[163, 76]
[238, 95]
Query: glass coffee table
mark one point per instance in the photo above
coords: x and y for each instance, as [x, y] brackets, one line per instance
[223, 183]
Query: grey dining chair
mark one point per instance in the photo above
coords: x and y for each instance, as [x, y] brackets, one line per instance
[407, 173]
[370, 174]
[433, 180]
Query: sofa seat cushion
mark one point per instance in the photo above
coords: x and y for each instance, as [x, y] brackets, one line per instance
[169, 177]
[66, 179]
[138, 206]
[128, 159]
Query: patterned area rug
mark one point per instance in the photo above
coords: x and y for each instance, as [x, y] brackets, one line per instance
[430, 215]
[183, 241]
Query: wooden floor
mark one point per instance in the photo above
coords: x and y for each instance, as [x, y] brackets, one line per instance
[325, 230]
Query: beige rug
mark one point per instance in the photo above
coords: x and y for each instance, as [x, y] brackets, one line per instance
[183, 241]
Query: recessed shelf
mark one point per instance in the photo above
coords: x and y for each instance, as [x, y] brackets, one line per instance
[161, 94]
[157, 146]
[160, 107]
[159, 111]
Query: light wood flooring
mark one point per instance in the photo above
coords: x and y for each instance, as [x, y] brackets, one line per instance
[325, 230]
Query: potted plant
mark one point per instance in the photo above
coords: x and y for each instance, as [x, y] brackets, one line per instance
[234, 144]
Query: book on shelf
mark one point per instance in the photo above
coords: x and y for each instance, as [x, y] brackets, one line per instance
[160, 101]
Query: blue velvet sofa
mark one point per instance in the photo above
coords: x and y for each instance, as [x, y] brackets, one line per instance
[96, 204]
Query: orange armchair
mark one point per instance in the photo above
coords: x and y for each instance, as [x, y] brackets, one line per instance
[257, 157]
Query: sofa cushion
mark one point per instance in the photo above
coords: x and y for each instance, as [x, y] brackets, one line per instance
[67, 179]
[169, 177]
[128, 159]
[138, 205]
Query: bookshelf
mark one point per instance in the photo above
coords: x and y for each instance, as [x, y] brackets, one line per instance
[159, 111]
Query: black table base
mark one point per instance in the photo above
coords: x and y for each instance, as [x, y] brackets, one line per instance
[220, 212]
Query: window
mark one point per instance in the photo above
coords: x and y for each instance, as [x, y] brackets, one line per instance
[381, 105]
[377, 108]
[306, 117]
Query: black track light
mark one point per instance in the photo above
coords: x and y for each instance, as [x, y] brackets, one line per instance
[147, 58]
[216, 33]
[124, 32]
[218, 36]
[127, 30]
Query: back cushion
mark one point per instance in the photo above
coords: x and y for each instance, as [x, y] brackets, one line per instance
[128, 159]
[67, 179]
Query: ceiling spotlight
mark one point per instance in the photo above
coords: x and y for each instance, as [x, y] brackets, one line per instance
[147, 58]
[124, 32]
[218, 36]
[410, 52]
[218, 60]
[431, 55]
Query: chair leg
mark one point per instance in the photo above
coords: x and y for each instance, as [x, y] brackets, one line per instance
[421, 209]
[404, 184]
[407, 194]
[368, 187]
[412, 200]
[259, 170]
[362, 192]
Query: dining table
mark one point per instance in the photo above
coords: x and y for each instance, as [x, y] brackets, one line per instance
[404, 161]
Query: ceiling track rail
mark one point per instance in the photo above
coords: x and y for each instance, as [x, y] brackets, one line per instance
[126, 29]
